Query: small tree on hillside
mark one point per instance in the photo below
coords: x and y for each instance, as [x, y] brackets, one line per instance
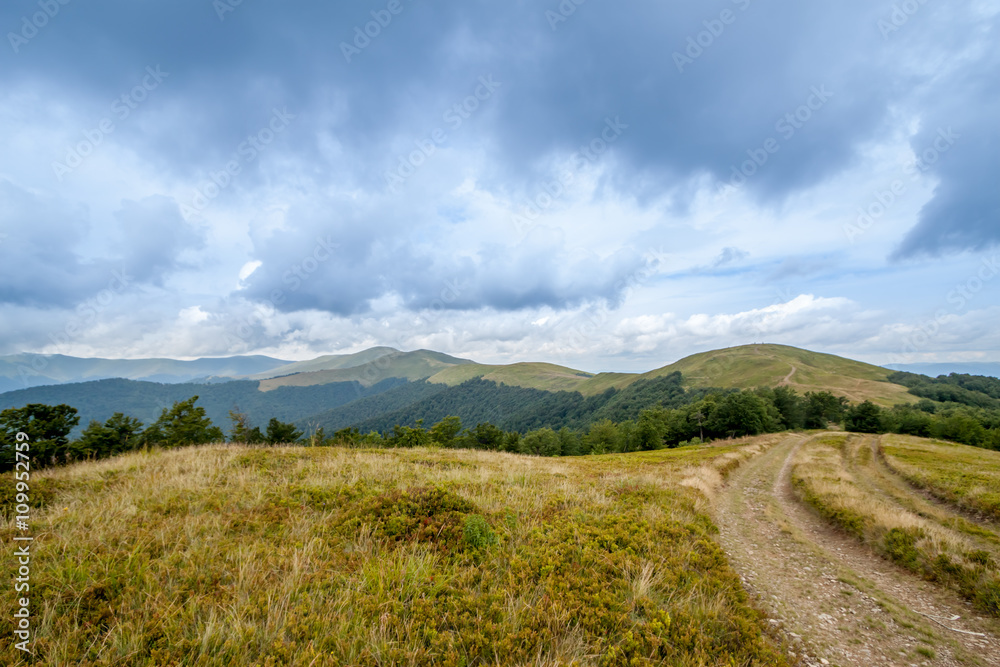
[542, 442]
[649, 431]
[865, 417]
[484, 436]
[280, 432]
[603, 437]
[409, 436]
[740, 413]
[822, 407]
[120, 433]
[47, 426]
[183, 424]
[443, 433]
[242, 430]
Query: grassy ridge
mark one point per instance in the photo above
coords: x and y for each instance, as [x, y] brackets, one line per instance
[227, 555]
[968, 477]
[548, 377]
[410, 365]
[821, 477]
[771, 365]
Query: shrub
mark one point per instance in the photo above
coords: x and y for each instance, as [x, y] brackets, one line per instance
[478, 533]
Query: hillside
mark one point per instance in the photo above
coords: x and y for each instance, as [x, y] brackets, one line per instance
[771, 365]
[415, 365]
[519, 408]
[527, 375]
[326, 362]
[227, 555]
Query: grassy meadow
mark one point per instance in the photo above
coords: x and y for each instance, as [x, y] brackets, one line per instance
[822, 477]
[228, 555]
[967, 477]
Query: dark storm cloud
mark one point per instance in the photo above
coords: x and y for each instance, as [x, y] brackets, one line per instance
[343, 260]
[40, 264]
[154, 237]
[960, 144]
[770, 97]
[561, 84]
[44, 262]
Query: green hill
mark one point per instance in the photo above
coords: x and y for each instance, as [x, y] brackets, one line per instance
[771, 365]
[415, 365]
[327, 362]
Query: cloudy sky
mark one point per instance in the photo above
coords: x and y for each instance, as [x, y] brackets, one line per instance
[611, 186]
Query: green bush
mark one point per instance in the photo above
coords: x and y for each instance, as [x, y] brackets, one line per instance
[478, 533]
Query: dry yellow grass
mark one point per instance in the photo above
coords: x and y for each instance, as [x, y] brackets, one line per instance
[821, 476]
[968, 477]
[225, 555]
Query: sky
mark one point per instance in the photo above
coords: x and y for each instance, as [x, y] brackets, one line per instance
[609, 186]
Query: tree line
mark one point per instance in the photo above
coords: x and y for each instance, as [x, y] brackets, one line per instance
[716, 415]
[48, 428]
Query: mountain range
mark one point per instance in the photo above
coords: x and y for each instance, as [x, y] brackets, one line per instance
[382, 386]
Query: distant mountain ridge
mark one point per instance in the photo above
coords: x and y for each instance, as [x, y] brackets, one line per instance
[963, 367]
[21, 371]
[416, 365]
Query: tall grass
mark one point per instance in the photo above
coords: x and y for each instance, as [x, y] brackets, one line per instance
[226, 555]
[968, 477]
[821, 477]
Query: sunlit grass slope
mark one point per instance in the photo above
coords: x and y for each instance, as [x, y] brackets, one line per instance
[743, 367]
[968, 477]
[770, 365]
[225, 555]
[547, 377]
[410, 365]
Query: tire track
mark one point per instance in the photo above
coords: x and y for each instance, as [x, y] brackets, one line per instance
[836, 600]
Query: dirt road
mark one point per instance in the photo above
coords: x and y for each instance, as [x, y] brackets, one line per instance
[837, 601]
